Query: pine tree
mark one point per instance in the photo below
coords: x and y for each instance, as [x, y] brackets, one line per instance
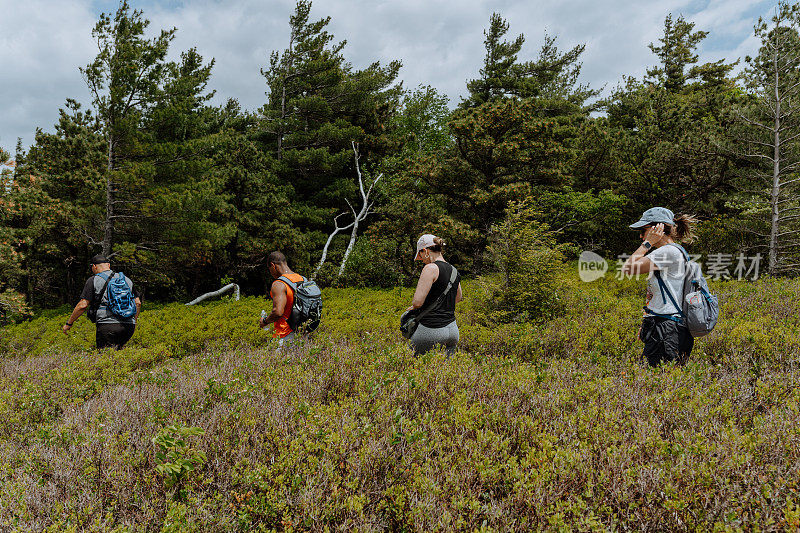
[125, 79]
[132, 177]
[317, 106]
[503, 76]
[671, 123]
[769, 136]
[59, 183]
[515, 134]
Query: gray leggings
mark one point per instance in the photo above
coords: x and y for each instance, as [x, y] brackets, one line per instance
[426, 338]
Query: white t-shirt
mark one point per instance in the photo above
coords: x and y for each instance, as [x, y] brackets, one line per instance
[671, 263]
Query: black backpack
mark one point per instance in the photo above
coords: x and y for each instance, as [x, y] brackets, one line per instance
[307, 308]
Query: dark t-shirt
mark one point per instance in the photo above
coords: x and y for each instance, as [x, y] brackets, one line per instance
[91, 291]
[445, 314]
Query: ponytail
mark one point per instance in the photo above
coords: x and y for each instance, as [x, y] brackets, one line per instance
[684, 228]
[438, 244]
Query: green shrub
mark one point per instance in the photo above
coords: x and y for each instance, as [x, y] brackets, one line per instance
[373, 264]
[13, 307]
[176, 458]
[525, 252]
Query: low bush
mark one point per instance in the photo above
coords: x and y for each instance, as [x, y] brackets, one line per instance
[13, 307]
[552, 425]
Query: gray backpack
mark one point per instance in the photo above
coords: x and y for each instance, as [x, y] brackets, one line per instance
[307, 308]
[700, 309]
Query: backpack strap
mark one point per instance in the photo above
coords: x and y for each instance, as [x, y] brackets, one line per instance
[682, 249]
[440, 299]
[96, 306]
[662, 315]
[292, 285]
[665, 290]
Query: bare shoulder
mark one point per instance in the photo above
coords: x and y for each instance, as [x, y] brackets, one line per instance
[430, 270]
[278, 287]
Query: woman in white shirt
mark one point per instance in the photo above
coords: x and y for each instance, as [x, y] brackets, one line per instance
[665, 336]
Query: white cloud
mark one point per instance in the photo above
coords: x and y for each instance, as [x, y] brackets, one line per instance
[439, 41]
[42, 44]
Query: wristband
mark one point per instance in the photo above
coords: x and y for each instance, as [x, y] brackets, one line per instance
[647, 245]
[68, 324]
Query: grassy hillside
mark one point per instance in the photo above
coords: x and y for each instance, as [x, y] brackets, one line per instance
[200, 425]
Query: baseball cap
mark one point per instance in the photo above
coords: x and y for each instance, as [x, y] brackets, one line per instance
[99, 259]
[426, 241]
[655, 215]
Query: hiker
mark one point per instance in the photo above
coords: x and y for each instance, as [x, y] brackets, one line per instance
[286, 291]
[110, 302]
[438, 290]
[663, 331]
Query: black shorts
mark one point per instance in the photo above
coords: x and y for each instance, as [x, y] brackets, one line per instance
[114, 335]
[665, 340]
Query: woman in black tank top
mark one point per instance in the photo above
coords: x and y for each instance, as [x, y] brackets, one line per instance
[438, 326]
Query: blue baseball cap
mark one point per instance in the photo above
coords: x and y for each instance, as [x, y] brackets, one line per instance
[655, 215]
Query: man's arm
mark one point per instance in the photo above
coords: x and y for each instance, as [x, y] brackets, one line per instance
[459, 294]
[138, 303]
[278, 293]
[82, 305]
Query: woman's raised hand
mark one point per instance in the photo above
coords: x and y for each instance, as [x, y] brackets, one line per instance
[654, 233]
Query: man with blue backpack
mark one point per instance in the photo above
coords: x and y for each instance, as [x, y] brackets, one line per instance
[110, 302]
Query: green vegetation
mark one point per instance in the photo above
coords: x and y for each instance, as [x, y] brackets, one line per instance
[200, 425]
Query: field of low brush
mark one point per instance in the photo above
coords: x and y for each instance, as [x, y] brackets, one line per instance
[201, 425]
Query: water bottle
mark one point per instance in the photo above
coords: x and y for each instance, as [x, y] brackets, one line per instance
[263, 316]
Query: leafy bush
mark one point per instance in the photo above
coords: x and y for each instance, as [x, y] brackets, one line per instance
[13, 307]
[176, 458]
[373, 264]
[526, 255]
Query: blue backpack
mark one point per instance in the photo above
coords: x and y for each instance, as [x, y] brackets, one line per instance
[119, 297]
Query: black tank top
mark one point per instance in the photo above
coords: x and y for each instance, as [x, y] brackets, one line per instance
[445, 314]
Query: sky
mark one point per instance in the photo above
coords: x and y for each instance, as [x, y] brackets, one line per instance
[440, 42]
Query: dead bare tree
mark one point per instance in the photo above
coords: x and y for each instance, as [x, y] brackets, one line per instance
[358, 216]
[335, 231]
[771, 130]
[363, 213]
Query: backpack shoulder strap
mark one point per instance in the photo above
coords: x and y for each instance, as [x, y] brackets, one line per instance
[96, 305]
[682, 249]
[292, 285]
[665, 289]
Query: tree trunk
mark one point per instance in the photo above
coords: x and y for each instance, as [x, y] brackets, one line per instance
[333, 234]
[108, 233]
[776, 169]
[283, 117]
[283, 95]
[353, 235]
